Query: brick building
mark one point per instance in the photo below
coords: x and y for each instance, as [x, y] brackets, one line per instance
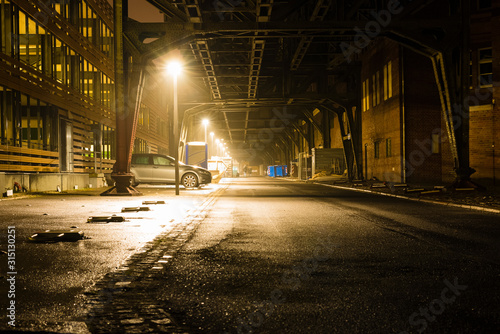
[403, 133]
[484, 79]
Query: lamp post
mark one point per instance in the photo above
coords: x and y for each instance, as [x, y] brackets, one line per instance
[205, 124]
[211, 144]
[174, 69]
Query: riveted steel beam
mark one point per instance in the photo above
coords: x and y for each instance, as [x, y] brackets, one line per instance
[169, 9]
[320, 10]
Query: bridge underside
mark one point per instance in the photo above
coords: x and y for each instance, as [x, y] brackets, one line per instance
[261, 69]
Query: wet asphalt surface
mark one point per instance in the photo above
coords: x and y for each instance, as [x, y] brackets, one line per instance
[264, 256]
[283, 257]
[51, 278]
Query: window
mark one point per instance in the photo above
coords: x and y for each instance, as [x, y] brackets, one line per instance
[108, 142]
[376, 88]
[388, 147]
[6, 27]
[377, 77]
[486, 67]
[140, 159]
[366, 95]
[377, 149]
[435, 142]
[162, 161]
[388, 81]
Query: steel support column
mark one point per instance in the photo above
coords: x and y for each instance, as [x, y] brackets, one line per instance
[327, 140]
[124, 118]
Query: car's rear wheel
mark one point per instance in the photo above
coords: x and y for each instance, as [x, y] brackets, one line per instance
[189, 180]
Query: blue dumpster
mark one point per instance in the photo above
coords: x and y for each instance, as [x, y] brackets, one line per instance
[271, 171]
[279, 171]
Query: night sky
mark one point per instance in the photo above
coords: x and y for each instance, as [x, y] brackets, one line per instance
[142, 11]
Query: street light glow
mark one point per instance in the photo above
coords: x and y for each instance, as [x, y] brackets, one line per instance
[205, 122]
[174, 68]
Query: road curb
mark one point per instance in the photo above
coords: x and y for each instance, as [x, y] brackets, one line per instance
[424, 200]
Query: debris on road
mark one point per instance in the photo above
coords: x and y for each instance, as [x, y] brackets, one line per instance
[105, 219]
[153, 202]
[135, 209]
[52, 236]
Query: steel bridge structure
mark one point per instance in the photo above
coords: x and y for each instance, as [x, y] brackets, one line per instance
[260, 68]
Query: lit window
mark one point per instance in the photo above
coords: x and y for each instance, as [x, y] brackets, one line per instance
[366, 95]
[435, 142]
[388, 81]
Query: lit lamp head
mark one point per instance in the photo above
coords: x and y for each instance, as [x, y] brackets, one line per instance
[174, 68]
[205, 122]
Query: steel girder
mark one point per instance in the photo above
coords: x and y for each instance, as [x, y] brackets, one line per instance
[246, 23]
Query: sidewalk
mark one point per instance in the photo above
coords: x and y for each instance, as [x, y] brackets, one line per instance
[487, 201]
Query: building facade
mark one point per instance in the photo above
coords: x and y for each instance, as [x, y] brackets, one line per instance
[402, 128]
[404, 137]
[485, 91]
[56, 89]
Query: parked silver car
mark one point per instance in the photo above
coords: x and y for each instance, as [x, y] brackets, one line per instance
[160, 169]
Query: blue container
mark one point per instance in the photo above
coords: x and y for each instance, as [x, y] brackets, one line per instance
[271, 171]
[279, 171]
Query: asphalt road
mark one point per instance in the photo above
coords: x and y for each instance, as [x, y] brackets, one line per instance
[51, 279]
[263, 256]
[275, 256]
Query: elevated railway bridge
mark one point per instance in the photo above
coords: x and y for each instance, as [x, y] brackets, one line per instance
[273, 75]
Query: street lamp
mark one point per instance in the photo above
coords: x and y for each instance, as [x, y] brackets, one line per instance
[211, 143]
[174, 69]
[205, 123]
[219, 152]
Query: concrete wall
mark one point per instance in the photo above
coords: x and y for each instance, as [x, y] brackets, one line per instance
[48, 181]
